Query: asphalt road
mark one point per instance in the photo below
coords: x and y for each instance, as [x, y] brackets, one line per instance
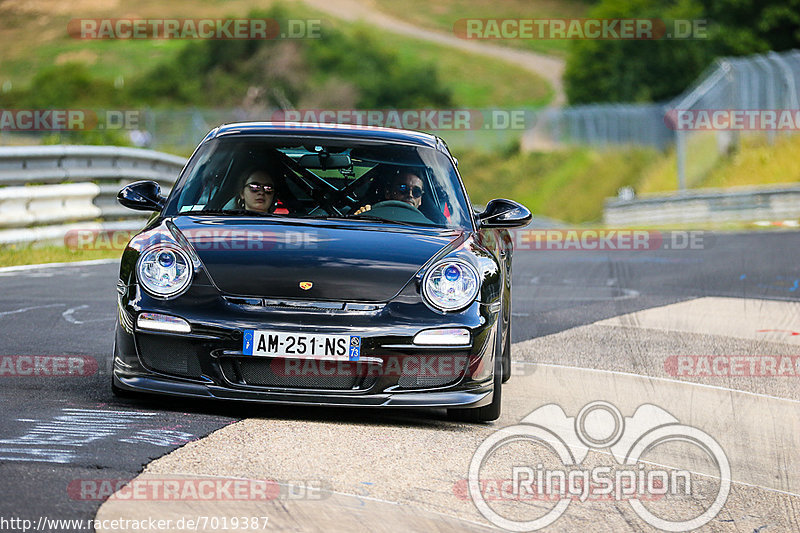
[58, 431]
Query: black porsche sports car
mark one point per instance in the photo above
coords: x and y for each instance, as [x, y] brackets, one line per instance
[318, 264]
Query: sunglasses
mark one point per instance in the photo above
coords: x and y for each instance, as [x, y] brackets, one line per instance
[255, 187]
[402, 188]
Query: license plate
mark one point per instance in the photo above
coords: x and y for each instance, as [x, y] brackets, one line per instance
[301, 345]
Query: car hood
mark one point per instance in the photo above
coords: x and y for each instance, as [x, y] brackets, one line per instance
[345, 261]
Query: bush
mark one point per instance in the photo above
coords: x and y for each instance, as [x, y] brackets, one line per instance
[230, 72]
[70, 85]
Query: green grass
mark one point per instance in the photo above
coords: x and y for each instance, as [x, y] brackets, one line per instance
[477, 81]
[443, 14]
[758, 162]
[568, 185]
[572, 184]
[754, 162]
[34, 255]
[701, 158]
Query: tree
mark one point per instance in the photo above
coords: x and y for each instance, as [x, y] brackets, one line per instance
[659, 69]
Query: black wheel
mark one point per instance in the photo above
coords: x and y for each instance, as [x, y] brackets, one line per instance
[507, 342]
[120, 393]
[116, 391]
[490, 412]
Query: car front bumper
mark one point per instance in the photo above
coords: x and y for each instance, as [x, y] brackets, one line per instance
[209, 363]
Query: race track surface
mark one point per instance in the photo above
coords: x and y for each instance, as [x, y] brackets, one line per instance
[588, 326]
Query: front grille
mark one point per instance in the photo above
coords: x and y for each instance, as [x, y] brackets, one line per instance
[288, 304]
[169, 355]
[268, 372]
[415, 378]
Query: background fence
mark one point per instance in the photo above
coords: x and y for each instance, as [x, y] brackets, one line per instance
[759, 82]
[83, 181]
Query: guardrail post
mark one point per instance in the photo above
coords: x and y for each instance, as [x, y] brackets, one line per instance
[680, 150]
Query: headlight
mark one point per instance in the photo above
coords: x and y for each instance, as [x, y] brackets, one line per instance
[164, 270]
[450, 285]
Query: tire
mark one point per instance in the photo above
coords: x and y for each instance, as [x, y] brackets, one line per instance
[507, 343]
[507, 354]
[116, 391]
[120, 393]
[490, 412]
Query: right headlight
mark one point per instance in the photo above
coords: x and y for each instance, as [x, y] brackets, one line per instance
[164, 270]
[450, 285]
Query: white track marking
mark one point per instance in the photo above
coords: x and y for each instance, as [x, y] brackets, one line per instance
[25, 268]
[654, 378]
[69, 312]
[740, 318]
[60, 438]
[24, 309]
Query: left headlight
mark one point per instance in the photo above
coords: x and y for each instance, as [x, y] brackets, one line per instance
[164, 270]
[450, 285]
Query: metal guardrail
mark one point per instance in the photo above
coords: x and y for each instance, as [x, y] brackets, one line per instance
[46, 191]
[703, 206]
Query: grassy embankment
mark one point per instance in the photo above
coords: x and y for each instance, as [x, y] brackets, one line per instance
[444, 14]
[571, 184]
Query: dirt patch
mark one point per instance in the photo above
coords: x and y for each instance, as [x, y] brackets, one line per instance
[78, 56]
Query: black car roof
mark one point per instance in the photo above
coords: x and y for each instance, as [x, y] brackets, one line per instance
[308, 129]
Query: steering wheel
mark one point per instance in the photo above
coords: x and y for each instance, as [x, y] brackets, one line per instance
[394, 203]
[399, 211]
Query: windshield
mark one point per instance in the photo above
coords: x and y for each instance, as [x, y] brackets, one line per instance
[322, 178]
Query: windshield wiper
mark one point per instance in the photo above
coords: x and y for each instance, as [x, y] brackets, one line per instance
[214, 212]
[366, 216]
[245, 212]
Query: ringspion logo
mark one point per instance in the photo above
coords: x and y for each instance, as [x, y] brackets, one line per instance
[598, 425]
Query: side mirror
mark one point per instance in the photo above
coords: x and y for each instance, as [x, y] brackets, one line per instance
[503, 213]
[142, 196]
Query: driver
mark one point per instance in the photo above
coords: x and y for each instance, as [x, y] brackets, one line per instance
[405, 186]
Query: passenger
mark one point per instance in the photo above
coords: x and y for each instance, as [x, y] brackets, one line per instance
[257, 192]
